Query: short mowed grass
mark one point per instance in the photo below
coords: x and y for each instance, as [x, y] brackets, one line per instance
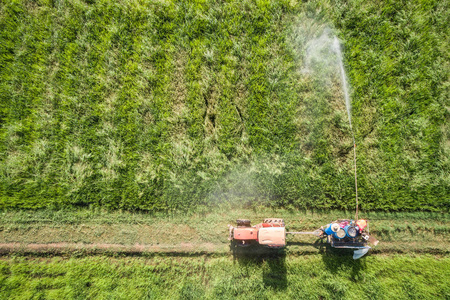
[417, 232]
[279, 277]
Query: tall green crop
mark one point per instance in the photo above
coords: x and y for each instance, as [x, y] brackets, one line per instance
[177, 105]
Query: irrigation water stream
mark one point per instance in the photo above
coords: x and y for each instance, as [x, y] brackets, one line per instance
[336, 46]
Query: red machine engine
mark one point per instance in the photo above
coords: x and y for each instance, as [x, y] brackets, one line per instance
[270, 233]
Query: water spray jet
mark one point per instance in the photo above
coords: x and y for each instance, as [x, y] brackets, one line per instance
[340, 61]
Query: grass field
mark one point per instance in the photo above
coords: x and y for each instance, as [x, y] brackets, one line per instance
[212, 277]
[132, 132]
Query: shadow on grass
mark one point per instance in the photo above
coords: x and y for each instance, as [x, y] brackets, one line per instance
[272, 261]
[336, 259]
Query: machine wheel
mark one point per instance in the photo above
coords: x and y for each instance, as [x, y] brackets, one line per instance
[243, 222]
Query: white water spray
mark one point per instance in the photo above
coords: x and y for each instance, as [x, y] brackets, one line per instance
[337, 49]
[324, 58]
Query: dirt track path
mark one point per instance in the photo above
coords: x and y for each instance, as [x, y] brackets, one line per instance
[97, 248]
